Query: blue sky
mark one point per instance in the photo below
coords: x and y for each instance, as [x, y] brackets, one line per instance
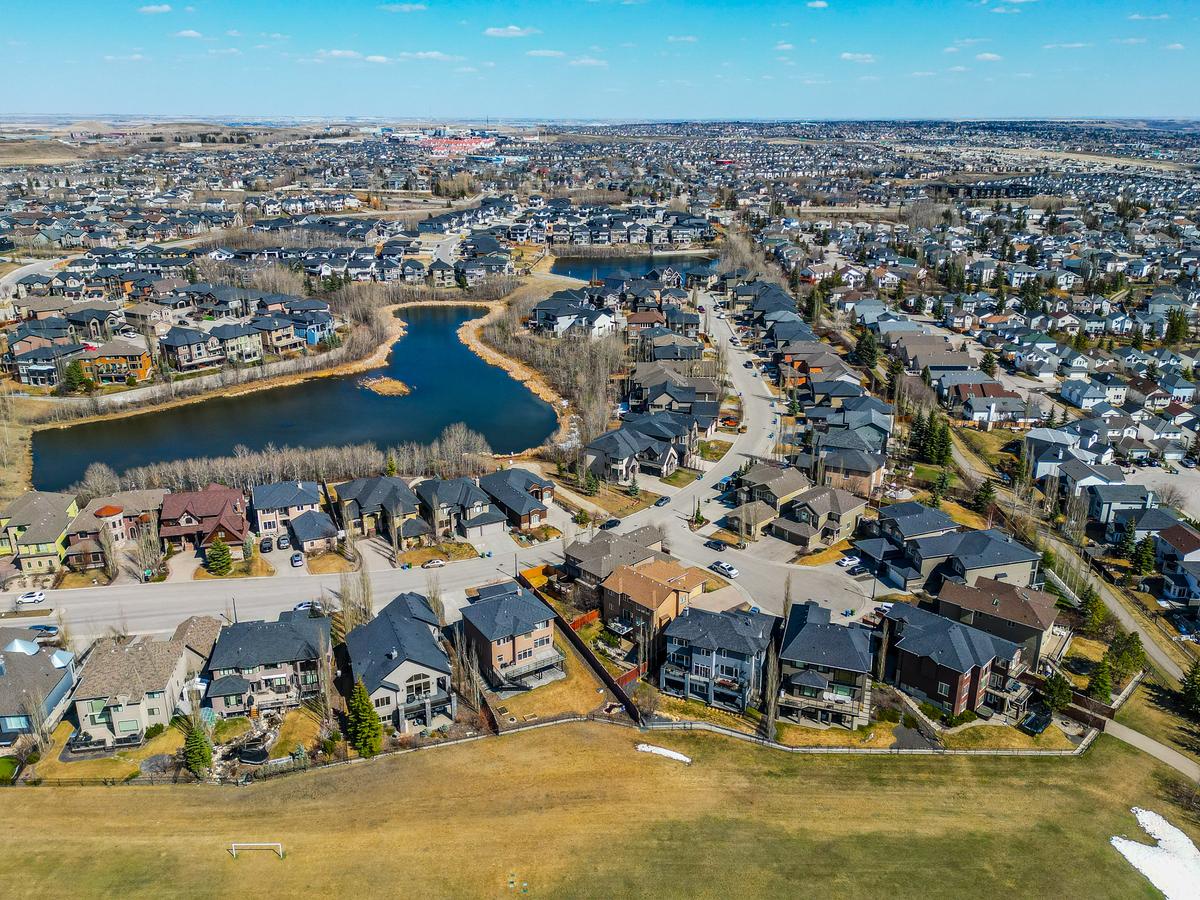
[605, 58]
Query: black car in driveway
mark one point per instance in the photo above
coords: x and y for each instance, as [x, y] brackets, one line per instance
[662, 501]
[610, 524]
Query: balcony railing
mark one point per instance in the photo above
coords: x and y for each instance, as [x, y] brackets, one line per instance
[539, 661]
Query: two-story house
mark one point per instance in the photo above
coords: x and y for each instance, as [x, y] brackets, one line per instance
[194, 520]
[401, 661]
[638, 601]
[511, 633]
[384, 505]
[259, 665]
[716, 658]
[126, 687]
[1019, 614]
[35, 679]
[34, 528]
[275, 505]
[826, 669]
[458, 506]
[520, 494]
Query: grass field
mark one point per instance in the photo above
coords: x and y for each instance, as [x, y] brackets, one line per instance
[877, 734]
[579, 693]
[119, 766]
[822, 557]
[712, 451]
[255, 568]
[8, 768]
[575, 811]
[1005, 737]
[1154, 712]
[299, 727]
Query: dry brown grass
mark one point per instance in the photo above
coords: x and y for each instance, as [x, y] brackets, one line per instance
[299, 726]
[876, 735]
[255, 568]
[1155, 712]
[822, 557]
[1005, 737]
[575, 811]
[694, 711]
[117, 767]
[448, 550]
[579, 693]
[328, 564]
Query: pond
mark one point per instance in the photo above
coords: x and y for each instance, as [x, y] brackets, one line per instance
[449, 384]
[617, 266]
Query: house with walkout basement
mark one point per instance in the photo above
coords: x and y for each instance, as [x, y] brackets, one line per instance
[716, 658]
[126, 687]
[401, 661]
[259, 666]
[511, 633]
[35, 679]
[826, 669]
[275, 505]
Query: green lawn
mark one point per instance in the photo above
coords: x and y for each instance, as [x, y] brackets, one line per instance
[575, 811]
[1154, 711]
[8, 768]
[680, 478]
[227, 730]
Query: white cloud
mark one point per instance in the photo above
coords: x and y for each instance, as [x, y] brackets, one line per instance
[1173, 47]
[681, 38]
[922, 74]
[1147, 17]
[865, 58]
[132, 57]
[403, 7]
[589, 61]
[377, 59]
[434, 55]
[817, 4]
[154, 9]
[1006, 10]
[868, 77]
[466, 70]
[1129, 41]
[545, 53]
[225, 51]
[957, 69]
[1073, 45]
[949, 49]
[988, 57]
[510, 31]
[340, 54]
[189, 33]
[233, 32]
[783, 47]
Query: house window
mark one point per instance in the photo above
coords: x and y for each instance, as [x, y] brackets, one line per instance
[728, 671]
[232, 700]
[541, 642]
[382, 701]
[943, 689]
[524, 654]
[702, 671]
[417, 687]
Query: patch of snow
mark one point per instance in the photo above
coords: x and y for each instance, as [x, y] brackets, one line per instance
[1172, 865]
[663, 751]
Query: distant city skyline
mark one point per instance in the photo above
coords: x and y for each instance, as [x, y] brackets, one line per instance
[608, 59]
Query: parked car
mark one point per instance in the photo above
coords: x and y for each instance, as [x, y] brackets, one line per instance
[662, 501]
[309, 606]
[723, 568]
[297, 560]
[283, 543]
[610, 524]
[433, 563]
[846, 561]
[266, 545]
[48, 632]
[30, 598]
[714, 544]
[1188, 463]
[858, 570]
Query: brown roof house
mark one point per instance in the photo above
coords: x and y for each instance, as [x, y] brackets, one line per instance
[639, 601]
[192, 520]
[198, 634]
[127, 687]
[1018, 614]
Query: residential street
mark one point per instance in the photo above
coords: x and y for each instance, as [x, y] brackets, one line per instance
[158, 608]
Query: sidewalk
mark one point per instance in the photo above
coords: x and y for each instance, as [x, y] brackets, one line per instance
[1161, 752]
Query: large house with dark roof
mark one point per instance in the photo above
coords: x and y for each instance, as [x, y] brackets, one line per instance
[458, 506]
[826, 669]
[716, 658]
[275, 505]
[520, 494]
[1019, 614]
[259, 665]
[383, 505]
[33, 676]
[511, 633]
[401, 661]
[194, 520]
[126, 687]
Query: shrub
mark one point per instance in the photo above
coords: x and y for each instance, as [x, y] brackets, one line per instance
[155, 730]
[887, 714]
[33, 758]
[910, 721]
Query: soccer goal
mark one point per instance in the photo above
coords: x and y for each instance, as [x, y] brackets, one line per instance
[242, 845]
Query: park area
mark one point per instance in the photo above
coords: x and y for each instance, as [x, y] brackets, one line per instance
[575, 811]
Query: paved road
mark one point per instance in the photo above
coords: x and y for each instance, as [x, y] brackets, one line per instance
[158, 608]
[41, 267]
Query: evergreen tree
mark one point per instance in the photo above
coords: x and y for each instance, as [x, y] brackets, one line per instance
[1057, 692]
[634, 488]
[220, 560]
[197, 751]
[1126, 655]
[1143, 557]
[988, 364]
[895, 374]
[943, 447]
[984, 497]
[1095, 616]
[1190, 690]
[916, 433]
[1100, 684]
[390, 468]
[73, 378]
[591, 484]
[363, 728]
[1127, 547]
[866, 351]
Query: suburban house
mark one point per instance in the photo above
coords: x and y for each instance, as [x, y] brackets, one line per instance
[520, 494]
[1019, 614]
[198, 634]
[589, 562]
[458, 506]
[955, 667]
[275, 505]
[402, 664]
[819, 517]
[511, 633]
[637, 601]
[826, 669]
[716, 658]
[314, 532]
[35, 527]
[34, 681]
[123, 516]
[383, 505]
[126, 687]
[258, 666]
[194, 520]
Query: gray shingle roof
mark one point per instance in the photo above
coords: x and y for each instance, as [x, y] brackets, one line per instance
[403, 631]
[810, 638]
[505, 611]
[951, 644]
[295, 637]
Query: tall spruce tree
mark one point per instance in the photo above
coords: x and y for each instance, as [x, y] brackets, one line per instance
[220, 560]
[363, 727]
